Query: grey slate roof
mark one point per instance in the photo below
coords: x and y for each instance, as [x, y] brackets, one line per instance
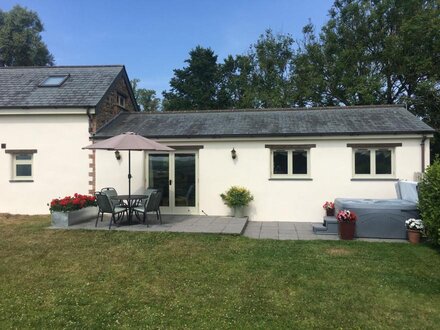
[84, 88]
[272, 122]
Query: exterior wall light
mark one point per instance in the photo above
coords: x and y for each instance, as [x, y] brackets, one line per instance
[233, 153]
[117, 155]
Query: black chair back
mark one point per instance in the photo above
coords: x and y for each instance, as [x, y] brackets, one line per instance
[109, 191]
[153, 200]
[104, 202]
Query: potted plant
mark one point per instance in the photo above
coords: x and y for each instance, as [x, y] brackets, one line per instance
[414, 228]
[71, 210]
[237, 198]
[329, 208]
[347, 224]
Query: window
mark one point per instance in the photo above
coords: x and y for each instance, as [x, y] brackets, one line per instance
[280, 162]
[373, 162]
[292, 161]
[22, 164]
[121, 100]
[54, 81]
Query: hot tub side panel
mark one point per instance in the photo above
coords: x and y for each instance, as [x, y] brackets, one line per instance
[379, 222]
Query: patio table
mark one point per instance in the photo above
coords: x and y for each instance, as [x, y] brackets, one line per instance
[131, 202]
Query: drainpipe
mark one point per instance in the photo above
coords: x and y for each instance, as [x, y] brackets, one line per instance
[422, 145]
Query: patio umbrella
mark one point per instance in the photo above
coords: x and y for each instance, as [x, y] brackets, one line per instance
[128, 141]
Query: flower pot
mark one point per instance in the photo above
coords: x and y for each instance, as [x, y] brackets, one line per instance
[330, 212]
[347, 230]
[413, 236]
[66, 219]
[239, 211]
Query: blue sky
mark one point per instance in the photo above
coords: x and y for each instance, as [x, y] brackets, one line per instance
[151, 38]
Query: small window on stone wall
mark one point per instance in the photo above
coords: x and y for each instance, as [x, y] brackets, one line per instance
[120, 99]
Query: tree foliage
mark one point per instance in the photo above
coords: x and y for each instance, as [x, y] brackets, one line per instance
[257, 79]
[373, 52]
[146, 98]
[368, 52]
[429, 191]
[196, 85]
[20, 39]
[271, 65]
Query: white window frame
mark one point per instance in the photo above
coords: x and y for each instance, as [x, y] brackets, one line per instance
[121, 100]
[290, 173]
[373, 174]
[15, 162]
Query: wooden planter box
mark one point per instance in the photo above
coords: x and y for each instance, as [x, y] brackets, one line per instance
[66, 219]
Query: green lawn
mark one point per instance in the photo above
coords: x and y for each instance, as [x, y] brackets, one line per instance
[95, 279]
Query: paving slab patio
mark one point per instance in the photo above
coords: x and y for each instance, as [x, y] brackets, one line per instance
[175, 223]
[277, 230]
[284, 230]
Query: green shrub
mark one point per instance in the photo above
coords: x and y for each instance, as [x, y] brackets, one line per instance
[429, 201]
[237, 196]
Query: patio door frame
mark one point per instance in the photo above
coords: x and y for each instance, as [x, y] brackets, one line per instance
[172, 208]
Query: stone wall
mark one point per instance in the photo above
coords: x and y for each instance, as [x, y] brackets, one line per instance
[106, 111]
[109, 107]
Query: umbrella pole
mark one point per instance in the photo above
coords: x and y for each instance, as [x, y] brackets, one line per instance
[129, 174]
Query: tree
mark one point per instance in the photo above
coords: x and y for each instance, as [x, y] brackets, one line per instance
[196, 85]
[146, 98]
[235, 85]
[429, 207]
[271, 65]
[262, 77]
[373, 52]
[20, 39]
[258, 79]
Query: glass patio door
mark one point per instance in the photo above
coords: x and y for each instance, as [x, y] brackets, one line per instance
[175, 174]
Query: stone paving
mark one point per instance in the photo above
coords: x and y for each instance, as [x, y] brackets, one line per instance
[284, 231]
[278, 230]
[175, 223]
[295, 231]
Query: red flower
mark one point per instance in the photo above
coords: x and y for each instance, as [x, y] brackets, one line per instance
[70, 203]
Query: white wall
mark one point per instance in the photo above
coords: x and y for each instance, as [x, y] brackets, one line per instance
[111, 172]
[293, 200]
[274, 200]
[60, 166]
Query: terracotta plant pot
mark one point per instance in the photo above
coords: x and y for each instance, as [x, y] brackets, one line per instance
[347, 230]
[330, 212]
[413, 236]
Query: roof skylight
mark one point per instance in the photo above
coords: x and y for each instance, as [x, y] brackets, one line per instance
[54, 80]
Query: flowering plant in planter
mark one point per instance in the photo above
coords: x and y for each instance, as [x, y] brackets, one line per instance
[414, 224]
[329, 206]
[237, 197]
[69, 203]
[346, 216]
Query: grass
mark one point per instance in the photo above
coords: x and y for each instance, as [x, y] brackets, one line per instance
[95, 279]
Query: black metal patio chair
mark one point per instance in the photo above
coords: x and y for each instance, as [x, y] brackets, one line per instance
[112, 193]
[106, 205]
[151, 204]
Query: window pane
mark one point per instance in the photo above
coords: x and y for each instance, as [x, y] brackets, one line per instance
[54, 81]
[383, 161]
[185, 179]
[158, 176]
[362, 162]
[23, 157]
[23, 170]
[299, 162]
[280, 162]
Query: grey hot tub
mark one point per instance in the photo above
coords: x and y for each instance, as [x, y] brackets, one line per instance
[379, 218]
